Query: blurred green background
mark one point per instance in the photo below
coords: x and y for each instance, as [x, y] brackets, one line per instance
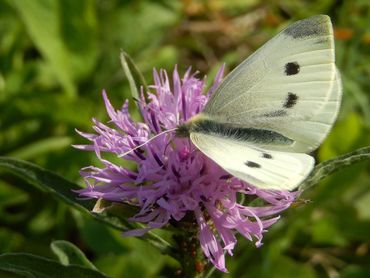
[57, 56]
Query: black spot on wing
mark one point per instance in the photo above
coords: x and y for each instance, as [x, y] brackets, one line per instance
[290, 100]
[267, 155]
[291, 68]
[276, 113]
[313, 26]
[252, 164]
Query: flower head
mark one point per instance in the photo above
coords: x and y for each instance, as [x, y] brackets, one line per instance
[172, 177]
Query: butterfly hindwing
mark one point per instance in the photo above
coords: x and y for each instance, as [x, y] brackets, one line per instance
[261, 168]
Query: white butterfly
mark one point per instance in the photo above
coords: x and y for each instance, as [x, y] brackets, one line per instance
[277, 105]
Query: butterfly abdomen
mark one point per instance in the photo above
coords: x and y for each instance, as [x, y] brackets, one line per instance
[202, 124]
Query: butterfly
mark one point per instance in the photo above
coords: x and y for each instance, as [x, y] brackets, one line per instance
[273, 109]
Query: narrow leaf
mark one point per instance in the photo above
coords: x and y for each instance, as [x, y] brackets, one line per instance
[70, 254]
[62, 190]
[28, 265]
[46, 37]
[57, 186]
[46, 181]
[130, 69]
[68, 41]
[327, 168]
[42, 146]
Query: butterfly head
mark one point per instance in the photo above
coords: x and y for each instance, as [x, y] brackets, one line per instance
[185, 129]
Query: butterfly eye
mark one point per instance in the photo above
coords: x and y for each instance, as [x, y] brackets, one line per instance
[292, 68]
[252, 164]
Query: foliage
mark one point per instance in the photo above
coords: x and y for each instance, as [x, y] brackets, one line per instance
[57, 56]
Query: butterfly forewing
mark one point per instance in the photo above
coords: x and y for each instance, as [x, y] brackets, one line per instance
[275, 106]
[289, 79]
[308, 133]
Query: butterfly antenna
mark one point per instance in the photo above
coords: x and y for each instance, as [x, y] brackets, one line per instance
[146, 142]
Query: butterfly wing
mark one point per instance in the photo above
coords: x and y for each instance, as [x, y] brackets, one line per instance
[261, 168]
[289, 86]
[309, 133]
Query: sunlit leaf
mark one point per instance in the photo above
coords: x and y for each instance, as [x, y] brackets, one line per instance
[41, 147]
[56, 27]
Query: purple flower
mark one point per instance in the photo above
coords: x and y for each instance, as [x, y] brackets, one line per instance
[172, 177]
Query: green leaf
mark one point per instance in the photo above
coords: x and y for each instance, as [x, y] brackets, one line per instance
[326, 168]
[129, 67]
[42, 146]
[92, 233]
[356, 271]
[325, 232]
[70, 254]
[58, 187]
[46, 181]
[141, 34]
[62, 190]
[352, 87]
[63, 31]
[32, 266]
[341, 142]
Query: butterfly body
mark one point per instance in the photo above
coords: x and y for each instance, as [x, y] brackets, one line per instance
[275, 107]
[204, 125]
